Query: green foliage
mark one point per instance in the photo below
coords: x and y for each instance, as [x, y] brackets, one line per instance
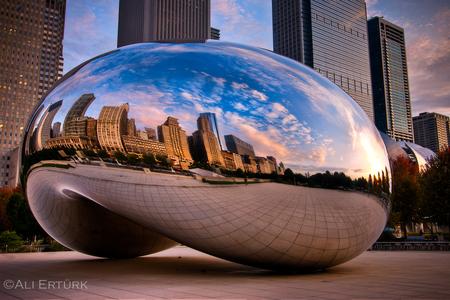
[163, 161]
[102, 154]
[55, 246]
[148, 159]
[133, 159]
[434, 180]
[279, 180]
[11, 239]
[120, 156]
[26, 249]
[332, 181]
[21, 217]
[406, 193]
[289, 174]
[5, 195]
[311, 183]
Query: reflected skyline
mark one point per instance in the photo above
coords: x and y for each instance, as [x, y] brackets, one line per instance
[277, 105]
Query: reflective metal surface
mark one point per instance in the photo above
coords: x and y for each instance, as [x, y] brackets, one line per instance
[417, 153]
[147, 98]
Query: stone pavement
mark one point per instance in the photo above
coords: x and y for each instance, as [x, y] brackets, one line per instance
[183, 273]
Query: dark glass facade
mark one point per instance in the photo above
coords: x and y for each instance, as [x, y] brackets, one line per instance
[329, 36]
[392, 104]
[154, 20]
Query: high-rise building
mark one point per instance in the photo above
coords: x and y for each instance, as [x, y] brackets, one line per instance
[206, 145]
[174, 139]
[331, 38]
[211, 117]
[431, 130]
[31, 61]
[111, 126]
[236, 145]
[391, 98]
[75, 116]
[44, 127]
[215, 33]
[153, 20]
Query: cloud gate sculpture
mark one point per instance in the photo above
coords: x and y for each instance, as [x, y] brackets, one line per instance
[226, 105]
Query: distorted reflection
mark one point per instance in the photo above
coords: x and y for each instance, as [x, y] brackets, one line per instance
[264, 100]
[232, 109]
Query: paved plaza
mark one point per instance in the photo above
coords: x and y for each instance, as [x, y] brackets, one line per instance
[183, 273]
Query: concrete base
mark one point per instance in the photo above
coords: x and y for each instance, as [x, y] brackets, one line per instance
[181, 272]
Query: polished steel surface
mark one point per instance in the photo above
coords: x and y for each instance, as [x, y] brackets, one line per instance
[152, 95]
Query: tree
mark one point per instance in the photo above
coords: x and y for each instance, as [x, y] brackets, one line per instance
[406, 193]
[148, 159]
[133, 159]
[120, 156]
[434, 182]
[5, 195]
[21, 217]
[11, 239]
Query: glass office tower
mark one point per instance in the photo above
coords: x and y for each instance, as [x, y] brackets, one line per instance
[329, 36]
[391, 98]
[154, 20]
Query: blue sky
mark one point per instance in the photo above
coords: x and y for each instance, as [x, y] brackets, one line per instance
[91, 29]
[277, 105]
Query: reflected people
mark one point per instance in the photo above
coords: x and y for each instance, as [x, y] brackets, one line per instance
[229, 149]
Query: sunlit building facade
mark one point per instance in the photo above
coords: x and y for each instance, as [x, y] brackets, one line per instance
[153, 20]
[111, 126]
[75, 117]
[174, 139]
[31, 61]
[206, 145]
[391, 97]
[331, 38]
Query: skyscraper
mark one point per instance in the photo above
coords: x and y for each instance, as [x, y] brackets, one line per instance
[205, 144]
[31, 61]
[111, 126]
[391, 98]
[76, 114]
[211, 117]
[152, 20]
[236, 145]
[174, 138]
[329, 36]
[432, 130]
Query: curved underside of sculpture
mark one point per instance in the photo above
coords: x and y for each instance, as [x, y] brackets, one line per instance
[124, 213]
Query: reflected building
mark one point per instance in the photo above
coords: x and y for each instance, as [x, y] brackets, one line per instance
[131, 127]
[174, 139]
[205, 144]
[215, 33]
[432, 130]
[153, 20]
[138, 145]
[213, 125]
[111, 126]
[331, 38]
[262, 164]
[236, 145]
[74, 121]
[44, 127]
[151, 133]
[391, 98]
[32, 35]
[56, 130]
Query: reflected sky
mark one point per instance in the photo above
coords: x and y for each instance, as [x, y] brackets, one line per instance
[281, 107]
